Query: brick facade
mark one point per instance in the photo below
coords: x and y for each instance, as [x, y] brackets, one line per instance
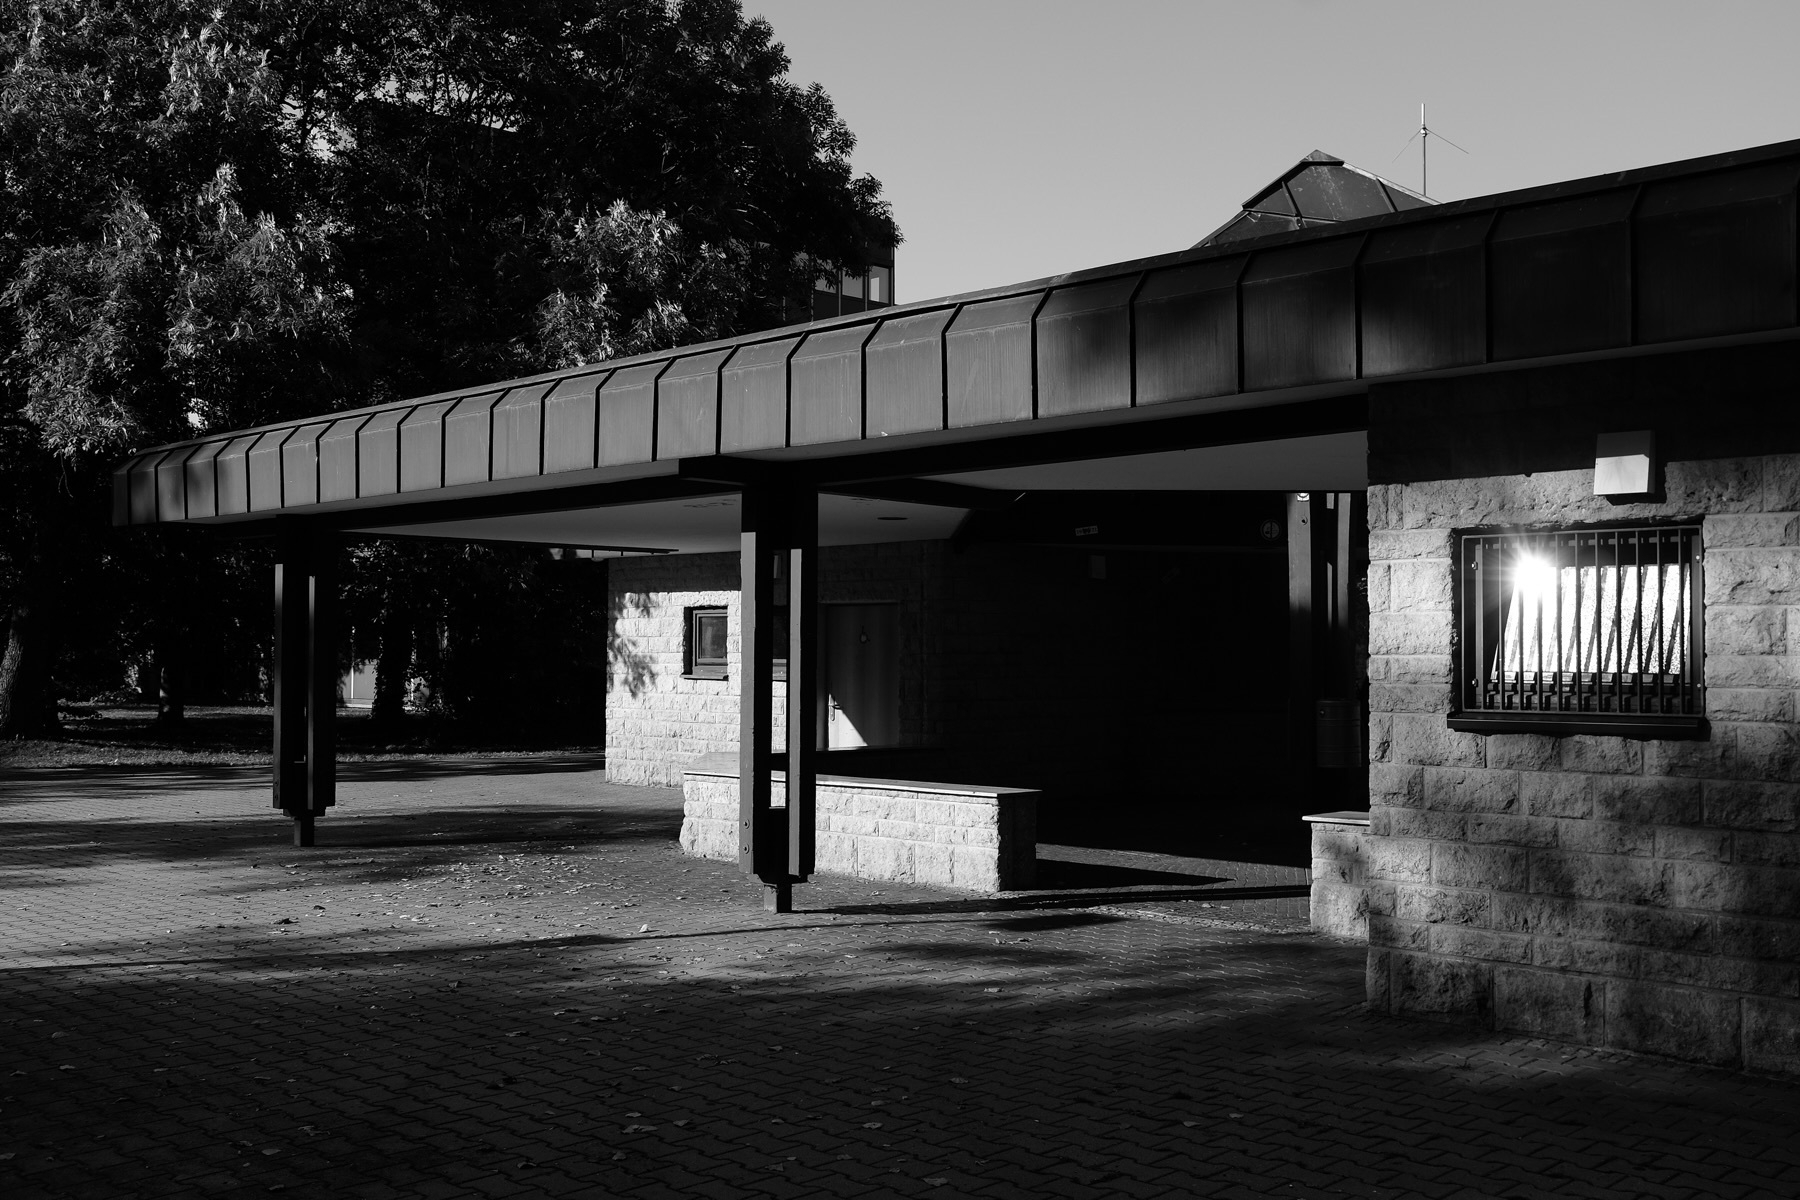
[1636, 894]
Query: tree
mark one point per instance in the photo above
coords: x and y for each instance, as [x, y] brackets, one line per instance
[147, 290]
[222, 215]
[537, 185]
[480, 154]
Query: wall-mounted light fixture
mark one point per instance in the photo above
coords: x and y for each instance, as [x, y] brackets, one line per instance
[1625, 464]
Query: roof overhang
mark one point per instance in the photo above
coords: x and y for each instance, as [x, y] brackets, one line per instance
[1277, 340]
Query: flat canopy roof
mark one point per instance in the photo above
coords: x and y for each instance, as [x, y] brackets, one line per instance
[1251, 342]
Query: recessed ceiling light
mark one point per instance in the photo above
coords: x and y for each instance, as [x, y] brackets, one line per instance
[890, 518]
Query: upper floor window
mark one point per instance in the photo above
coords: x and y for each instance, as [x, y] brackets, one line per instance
[1589, 628]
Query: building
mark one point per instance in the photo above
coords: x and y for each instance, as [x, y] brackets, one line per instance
[1318, 191]
[1484, 514]
[840, 293]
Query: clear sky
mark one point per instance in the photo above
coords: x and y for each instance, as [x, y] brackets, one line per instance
[1022, 138]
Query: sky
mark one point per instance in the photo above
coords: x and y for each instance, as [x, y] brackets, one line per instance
[1018, 139]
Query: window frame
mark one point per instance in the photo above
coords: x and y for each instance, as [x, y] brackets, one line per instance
[1478, 620]
[691, 666]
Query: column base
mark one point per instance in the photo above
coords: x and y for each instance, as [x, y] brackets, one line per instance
[778, 897]
[303, 829]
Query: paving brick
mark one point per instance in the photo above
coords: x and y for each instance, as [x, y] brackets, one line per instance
[463, 985]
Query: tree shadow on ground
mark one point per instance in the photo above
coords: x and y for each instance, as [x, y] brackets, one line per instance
[1081, 898]
[1073, 1062]
[244, 734]
[265, 842]
[61, 783]
[1020, 1043]
[1057, 874]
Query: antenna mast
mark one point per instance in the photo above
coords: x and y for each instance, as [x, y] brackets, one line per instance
[1424, 137]
[1425, 133]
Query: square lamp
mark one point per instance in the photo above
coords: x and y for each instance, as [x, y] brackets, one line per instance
[1624, 463]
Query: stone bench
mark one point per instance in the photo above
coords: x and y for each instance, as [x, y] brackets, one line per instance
[979, 839]
[1340, 903]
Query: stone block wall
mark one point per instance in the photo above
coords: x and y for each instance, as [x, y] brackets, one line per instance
[1339, 899]
[1640, 894]
[975, 839]
[656, 719]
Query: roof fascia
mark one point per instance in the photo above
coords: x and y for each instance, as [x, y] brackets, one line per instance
[1439, 211]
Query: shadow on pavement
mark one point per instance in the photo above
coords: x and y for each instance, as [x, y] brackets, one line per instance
[1077, 899]
[26, 781]
[61, 783]
[28, 847]
[1055, 874]
[1010, 1045]
[1084, 1063]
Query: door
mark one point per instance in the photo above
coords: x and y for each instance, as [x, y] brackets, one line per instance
[862, 675]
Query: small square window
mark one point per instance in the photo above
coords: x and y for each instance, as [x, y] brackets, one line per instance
[704, 643]
[1580, 630]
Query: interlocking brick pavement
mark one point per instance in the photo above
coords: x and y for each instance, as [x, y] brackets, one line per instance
[503, 980]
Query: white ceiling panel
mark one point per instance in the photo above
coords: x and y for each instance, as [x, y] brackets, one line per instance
[1336, 462]
[694, 525]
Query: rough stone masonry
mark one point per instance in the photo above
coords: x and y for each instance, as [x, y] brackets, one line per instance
[1639, 894]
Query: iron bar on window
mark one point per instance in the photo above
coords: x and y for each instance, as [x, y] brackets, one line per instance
[1595, 620]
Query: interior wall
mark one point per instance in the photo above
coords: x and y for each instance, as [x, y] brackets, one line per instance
[1142, 690]
[658, 720]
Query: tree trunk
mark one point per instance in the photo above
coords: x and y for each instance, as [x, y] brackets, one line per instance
[26, 707]
[393, 663]
[171, 682]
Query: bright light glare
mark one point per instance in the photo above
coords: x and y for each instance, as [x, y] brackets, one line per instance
[1534, 577]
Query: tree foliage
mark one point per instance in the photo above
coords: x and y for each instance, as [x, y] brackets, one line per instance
[220, 214]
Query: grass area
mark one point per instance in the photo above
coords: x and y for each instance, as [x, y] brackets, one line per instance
[128, 735]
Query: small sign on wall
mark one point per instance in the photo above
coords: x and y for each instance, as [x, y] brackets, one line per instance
[1624, 463]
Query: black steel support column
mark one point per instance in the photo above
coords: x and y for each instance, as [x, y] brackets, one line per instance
[322, 676]
[305, 679]
[803, 665]
[1350, 647]
[291, 561]
[1304, 595]
[762, 839]
[1327, 616]
[776, 843]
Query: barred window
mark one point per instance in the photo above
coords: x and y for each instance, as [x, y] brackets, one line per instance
[1595, 627]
